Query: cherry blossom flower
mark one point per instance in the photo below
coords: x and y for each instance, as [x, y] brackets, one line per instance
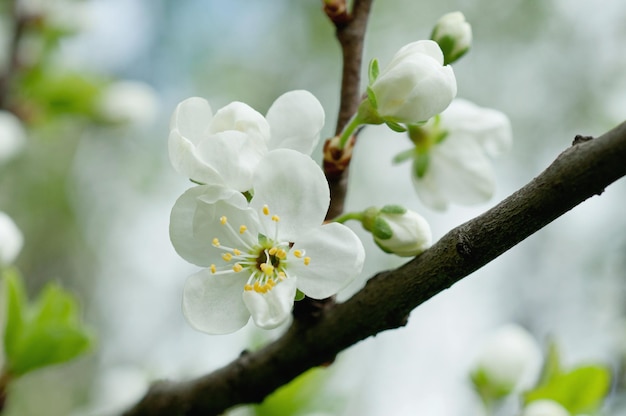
[224, 148]
[13, 136]
[11, 240]
[258, 254]
[450, 157]
[545, 407]
[454, 36]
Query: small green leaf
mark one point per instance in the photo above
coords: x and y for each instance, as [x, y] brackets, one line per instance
[299, 295]
[579, 391]
[404, 156]
[381, 229]
[393, 209]
[420, 164]
[15, 314]
[373, 71]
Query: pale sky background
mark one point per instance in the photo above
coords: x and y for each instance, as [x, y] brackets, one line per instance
[556, 67]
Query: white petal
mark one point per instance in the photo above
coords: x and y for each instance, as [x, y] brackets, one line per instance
[232, 154]
[213, 304]
[194, 221]
[459, 172]
[11, 240]
[192, 118]
[186, 160]
[294, 188]
[428, 47]
[337, 257]
[240, 117]
[490, 127]
[296, 119]
[272, 308]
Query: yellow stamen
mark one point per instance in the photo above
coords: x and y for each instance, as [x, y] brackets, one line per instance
[213, 268]
[236, 252]
[248, 287]
[223, 220]
[297, 253]
[266, 210]
[282, 275]
[268, 269]
[257, 287]
[242, 229]
[281, 254]
[216, 242]
[307, 260]
[275, 218]
[227, 256]
[237, 268]
[273, 251]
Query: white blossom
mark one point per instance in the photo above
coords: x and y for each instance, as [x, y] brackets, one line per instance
[12, 136]
[129, 101]
[451, 162]
[544, 407]
[257, 254]
[224, 148]
[401, 231]
[453, 34]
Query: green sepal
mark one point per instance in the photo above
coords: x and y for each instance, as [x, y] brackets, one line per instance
[299, 295]
[371, 97]
[489, 392]
[262, 239]
[397, 127]
[421, 163]
[393, 209]
[404, 156]
[381, 229]
[373, 71]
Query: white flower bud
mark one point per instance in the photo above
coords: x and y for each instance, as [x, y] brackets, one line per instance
[454, 36]
[414, 86]
[545, 407]
[12, 136]
[510, 360]
[11, 240]
[398, 230]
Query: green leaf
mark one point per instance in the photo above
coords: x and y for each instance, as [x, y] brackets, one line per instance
[14, 290]
[373, 71]
[579, 391]
[488, 391]
[299, 295]
[393, 209]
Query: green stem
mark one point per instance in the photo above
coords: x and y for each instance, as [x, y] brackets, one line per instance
[348, 130]
[358, 216]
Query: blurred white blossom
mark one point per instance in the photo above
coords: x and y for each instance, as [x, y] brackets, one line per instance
[544, 408]
[454, 36]
[11, 240]
[12, 136]
[130, 102]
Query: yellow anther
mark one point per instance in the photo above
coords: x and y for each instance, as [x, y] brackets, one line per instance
[223, 219]
[271, 283]
[257, 287]
[268, 269]
[275, 218]
[273, 251]
[227, 256]
[263, 266]
[297, 253]
[236, 252]
[237, 268]
[242, 229]
[248, 287]
[307, 260]
[282, 275]
[266, 210]
[281, 254]
[213, 268]
[216, 242]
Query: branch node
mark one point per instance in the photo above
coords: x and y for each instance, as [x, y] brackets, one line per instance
[581, 139]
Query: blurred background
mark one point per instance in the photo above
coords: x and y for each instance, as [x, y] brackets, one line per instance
[92, 189]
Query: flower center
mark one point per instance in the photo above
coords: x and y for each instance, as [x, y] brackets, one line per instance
[265, 259]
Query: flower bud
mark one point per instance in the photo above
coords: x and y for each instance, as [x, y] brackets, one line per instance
[11, 240]
[545, 407]
[510, 360]
[129, 101]
[414, 86]
[398, 230]
[454, 36]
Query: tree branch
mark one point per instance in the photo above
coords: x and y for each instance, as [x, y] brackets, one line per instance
[580, 172]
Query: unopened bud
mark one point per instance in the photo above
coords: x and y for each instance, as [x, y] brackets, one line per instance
[454, 36]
